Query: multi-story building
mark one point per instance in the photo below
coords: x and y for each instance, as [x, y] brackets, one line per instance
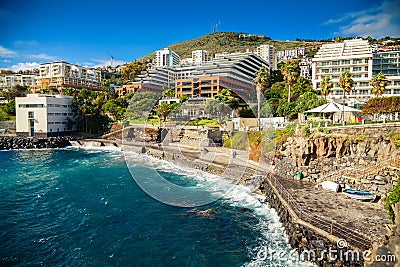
[267, 52]
[7, 81]
[305, 65]
[43, 115]
[290, 54]
[387, 61]
[232, 71]
[60, 75]
[127, 88]
[200, 56]
[363, 62]
[166, 58]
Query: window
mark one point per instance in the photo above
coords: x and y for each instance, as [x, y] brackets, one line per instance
[396, 91]
[366, 68]
[345, 69]
[388, 91]
[396, 83]
[335, 77]
[356, 68]
[335, 69]
[364, 83]
[335, 62]
[345, 61]
[357, 76]
[31, 105]
[31, 115]
[325, 70]
[326, 63]
[356, 61]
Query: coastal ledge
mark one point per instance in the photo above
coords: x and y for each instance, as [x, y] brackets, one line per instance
[10, 142]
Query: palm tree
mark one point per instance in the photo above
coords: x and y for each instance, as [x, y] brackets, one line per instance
[291, 72]
[326, 85]
[378, 83]
[346, 83]
[261, 81]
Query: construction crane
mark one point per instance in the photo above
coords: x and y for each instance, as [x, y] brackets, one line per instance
[111, 59]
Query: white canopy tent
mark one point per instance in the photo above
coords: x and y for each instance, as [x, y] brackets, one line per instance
[332, 107]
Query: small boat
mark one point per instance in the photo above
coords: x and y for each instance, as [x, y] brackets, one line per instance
[329, 185]
[360, 195]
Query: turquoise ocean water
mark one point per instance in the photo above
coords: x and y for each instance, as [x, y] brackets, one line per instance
[76, 207]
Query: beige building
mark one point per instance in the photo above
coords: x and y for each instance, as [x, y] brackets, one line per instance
[60, 75]
[43, 115]
[267, 52]
[200, 56]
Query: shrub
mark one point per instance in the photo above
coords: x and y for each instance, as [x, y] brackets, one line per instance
[393, 198]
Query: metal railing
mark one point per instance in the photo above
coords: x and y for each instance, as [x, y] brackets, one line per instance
[352, 237]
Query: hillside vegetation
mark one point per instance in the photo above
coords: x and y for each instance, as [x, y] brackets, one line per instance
[233, 42]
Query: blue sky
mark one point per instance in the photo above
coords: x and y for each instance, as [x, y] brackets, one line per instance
[83, 32]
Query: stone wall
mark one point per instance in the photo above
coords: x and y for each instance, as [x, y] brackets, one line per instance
[367, 130]
[356, 164]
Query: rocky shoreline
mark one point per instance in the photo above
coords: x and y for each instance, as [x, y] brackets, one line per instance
[9, 143]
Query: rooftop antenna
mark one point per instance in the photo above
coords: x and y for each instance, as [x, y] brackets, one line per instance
[111, 59]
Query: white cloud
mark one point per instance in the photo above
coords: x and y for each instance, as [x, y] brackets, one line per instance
[6, 61]
[5, 52]
[378, 22]
[41, 57]
[24, 66]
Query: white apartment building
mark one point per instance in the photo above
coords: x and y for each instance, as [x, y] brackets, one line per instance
[290, 53]
[387, 60]
[267, 52]
[306, 68]
[166, 58]
[351, 55]
[43, 115]
[200, 56]
[7, 81]
[60, 75]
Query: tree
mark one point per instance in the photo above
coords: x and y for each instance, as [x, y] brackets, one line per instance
[393, 204]
[141, 104]
[291, 72]
[378, 83]
[164, 109]
[9, 108]
[261, 80]
[214, 108]
[326, 85]
[131, 70]
[346, 83]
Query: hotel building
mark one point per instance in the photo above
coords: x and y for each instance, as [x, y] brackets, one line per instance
[166, 58]
[232, 71]
[60, 75]
[363, 62]
[8, 81]
[267, 52]
[43, 115]
[200, 56]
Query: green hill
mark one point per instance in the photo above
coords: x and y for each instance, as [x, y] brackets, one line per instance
[235, 42]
